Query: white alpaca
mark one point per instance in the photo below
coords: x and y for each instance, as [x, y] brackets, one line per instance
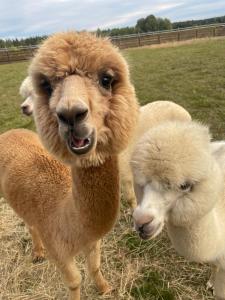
[150, 115]
[179, 179]
[27, 92]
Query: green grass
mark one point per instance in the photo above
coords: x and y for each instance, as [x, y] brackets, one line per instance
[192, 75]
[152, 286]
[11, 76]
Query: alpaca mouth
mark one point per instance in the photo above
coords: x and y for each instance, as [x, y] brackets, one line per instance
[151, 232]
[80, 145]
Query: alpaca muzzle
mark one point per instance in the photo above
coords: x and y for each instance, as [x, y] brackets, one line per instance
[146, 224]
[78, 133]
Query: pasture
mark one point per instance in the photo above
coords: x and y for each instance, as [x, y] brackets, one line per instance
[192, 75]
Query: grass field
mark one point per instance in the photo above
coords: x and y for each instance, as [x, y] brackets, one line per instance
[192, 75]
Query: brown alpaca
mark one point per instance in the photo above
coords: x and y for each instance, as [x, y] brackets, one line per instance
[30, 177]
[85, 112]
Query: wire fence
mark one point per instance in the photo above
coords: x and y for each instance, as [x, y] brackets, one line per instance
[8, 55]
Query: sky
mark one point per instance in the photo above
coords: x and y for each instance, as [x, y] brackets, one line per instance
[25, 18]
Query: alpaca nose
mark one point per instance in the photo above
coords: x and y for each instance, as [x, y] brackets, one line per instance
[26, 110]
[142, 217]
[74, 115]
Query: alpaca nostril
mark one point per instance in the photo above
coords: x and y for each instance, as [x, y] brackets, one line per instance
[62, 118]
[24, 108]
[81, 114]
[72, 116]
[141, 228]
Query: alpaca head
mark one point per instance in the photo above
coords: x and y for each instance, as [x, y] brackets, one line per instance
[27, 92]
[86, 109]
[177, 176]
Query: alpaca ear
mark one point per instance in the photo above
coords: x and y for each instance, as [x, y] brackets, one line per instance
[218, 151]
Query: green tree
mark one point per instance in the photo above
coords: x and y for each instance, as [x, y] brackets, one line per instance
[151, 23]
[140, 26]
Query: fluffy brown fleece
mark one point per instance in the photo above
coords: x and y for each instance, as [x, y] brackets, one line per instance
[73, 72]
[113, 113]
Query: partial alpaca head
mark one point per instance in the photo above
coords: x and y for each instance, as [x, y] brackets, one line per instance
[86, 109]
[27, 92]
[177, 176]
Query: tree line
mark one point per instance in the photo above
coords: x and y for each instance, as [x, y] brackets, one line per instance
[148, 24]
[191, 23]
[10, 43]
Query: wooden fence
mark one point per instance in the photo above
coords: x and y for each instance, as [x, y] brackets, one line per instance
[128, 41]
[143, 39]
[8, 55]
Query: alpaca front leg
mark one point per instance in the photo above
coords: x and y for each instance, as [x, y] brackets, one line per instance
[128, 192]
[72, 278]
[38, 247]
[93, 254]
[219, 285]
[211, 281]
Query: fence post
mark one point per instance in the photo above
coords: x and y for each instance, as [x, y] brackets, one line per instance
[196, 33]
[139, 39]
[178, 35]
[7, 52]
[159, 40]
[214, 31]
[30, 50]
[120, 43]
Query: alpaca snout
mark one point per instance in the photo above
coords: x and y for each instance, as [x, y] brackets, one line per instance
[146, 224]
[27, 106]
[74, 128]
[73, 116]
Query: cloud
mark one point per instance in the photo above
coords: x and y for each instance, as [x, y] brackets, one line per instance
[28, 18]
[133, 16]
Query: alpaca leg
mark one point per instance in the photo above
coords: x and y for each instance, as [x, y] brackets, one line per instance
[38, 247]
[128, 191]
[211, 281]
[93, 262]
[219, 284]
[72, 278]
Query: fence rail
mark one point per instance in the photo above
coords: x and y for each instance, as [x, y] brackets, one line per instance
[8, 55]
[176, 35]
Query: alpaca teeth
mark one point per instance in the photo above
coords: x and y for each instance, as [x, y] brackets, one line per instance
[80, 146]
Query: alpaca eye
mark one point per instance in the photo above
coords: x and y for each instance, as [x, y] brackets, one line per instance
[106, 81]
[186, 187]
[46, 86]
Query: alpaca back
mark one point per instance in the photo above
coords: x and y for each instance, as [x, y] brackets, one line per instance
[151, 115]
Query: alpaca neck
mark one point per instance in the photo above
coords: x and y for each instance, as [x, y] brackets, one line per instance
[95, 197]
[192, 241]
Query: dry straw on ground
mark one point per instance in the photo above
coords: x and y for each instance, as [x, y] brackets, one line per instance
[137, 269]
